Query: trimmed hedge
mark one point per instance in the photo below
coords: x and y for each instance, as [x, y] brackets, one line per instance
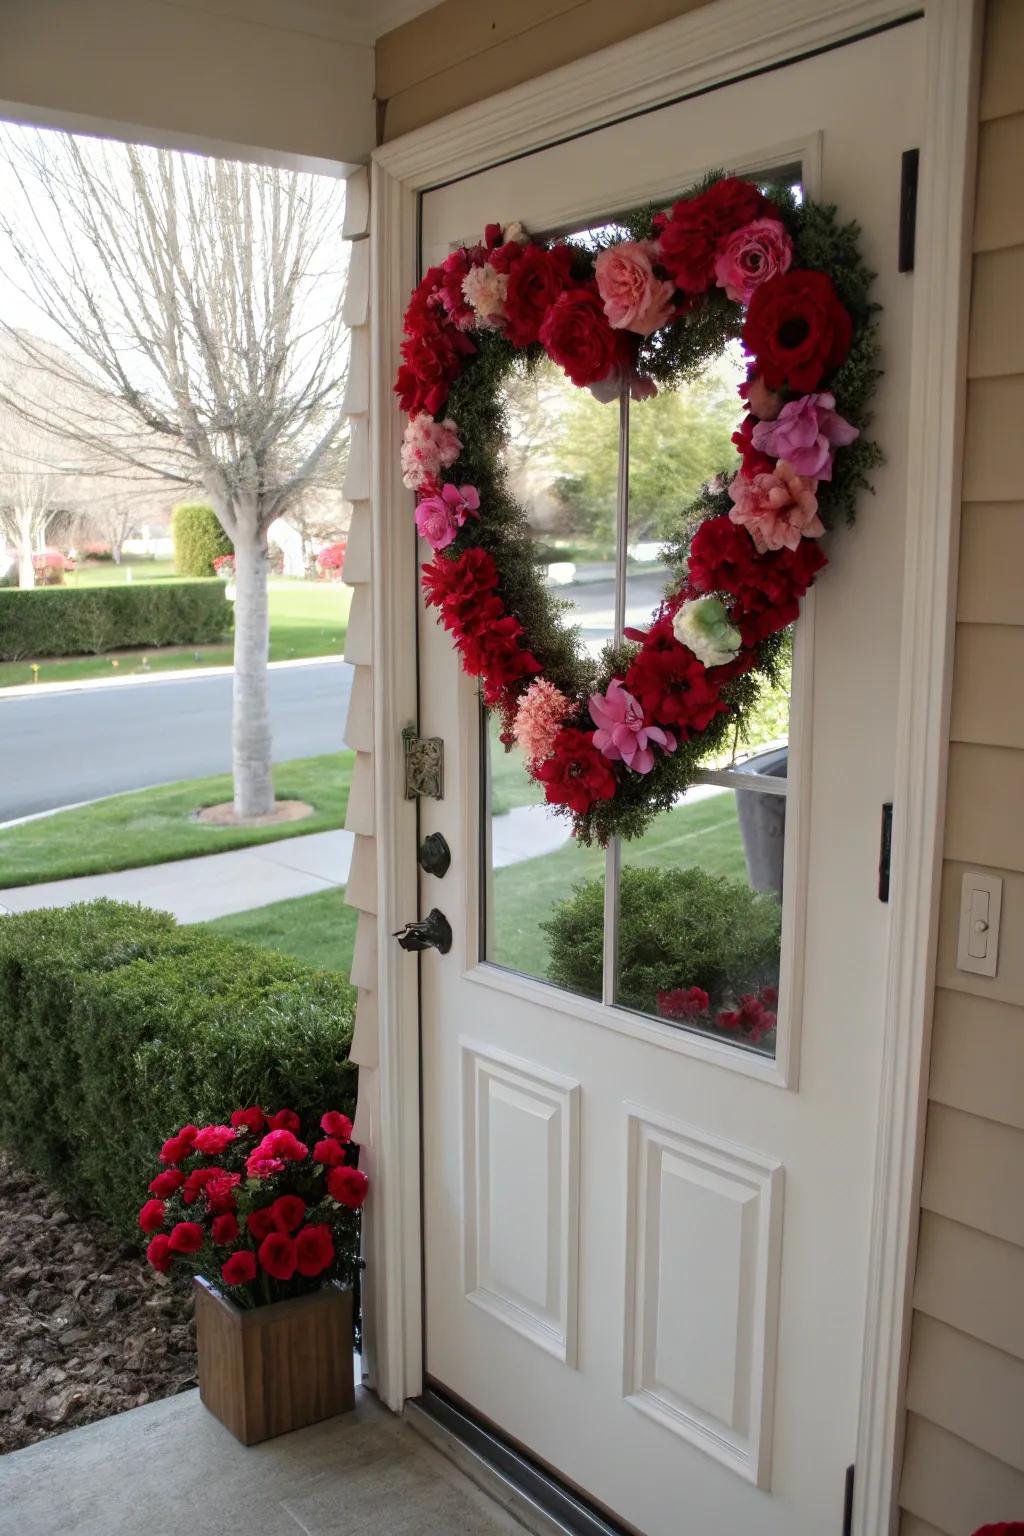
[198, 537]
[117, 1027]
[86, 621]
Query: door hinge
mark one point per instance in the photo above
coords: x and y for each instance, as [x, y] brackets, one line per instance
[424, 764]
[885, 852]
[848, 1503]
[908, 208]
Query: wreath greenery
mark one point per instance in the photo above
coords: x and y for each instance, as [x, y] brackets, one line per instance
[615, 740]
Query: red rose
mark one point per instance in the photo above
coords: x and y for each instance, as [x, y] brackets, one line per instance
[239, 1269]
[278, 1255]
[534, 283]
[178, 1147]
[258, 1167]
[433, 361]
[281, 1144]
[152, 1217]
[315, 1250]
[197, 1182]
[797, 330]
[212, 1139]
[186, 1237]
[225, 1229]
[457, 587]
[252, 1120]
[672, 686]
[261, 1223]
[167, 1183]
[690, 234]
[287, 1212]
[283, 1120]
[766, 589]
[576, 774]
[335, 1124]
[577, 336]
[349, 1186]
[329, 1152]
[754, 461]
[219, 1192]
[159, 1252]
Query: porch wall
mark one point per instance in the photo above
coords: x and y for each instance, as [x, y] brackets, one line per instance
[964, 1461]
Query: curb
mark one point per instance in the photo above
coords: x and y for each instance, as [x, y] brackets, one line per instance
[34, 690]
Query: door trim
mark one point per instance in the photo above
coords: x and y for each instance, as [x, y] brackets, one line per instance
[711, 46]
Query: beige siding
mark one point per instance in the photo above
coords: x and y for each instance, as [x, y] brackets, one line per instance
[964, 1461]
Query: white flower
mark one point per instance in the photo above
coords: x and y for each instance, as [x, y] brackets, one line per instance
[702, 625]
[485, 290]
[516, 232]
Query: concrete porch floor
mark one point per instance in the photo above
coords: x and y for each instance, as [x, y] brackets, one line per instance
[170, 1469]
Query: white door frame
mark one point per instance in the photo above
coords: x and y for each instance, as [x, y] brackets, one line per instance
[717, 43]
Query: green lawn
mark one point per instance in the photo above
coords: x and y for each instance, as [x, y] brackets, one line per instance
[307, 618]
[319, 929]
[150, 826]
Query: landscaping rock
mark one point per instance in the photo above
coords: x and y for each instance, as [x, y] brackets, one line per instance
[87, 1329]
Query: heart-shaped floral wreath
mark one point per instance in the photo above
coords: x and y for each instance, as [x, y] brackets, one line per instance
[616, 740]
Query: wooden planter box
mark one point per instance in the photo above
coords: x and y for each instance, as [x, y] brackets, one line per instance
[273, 1369]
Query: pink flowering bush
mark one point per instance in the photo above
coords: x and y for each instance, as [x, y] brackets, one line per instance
[330, 562]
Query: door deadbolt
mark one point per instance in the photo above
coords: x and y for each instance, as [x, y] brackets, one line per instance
[434, 856]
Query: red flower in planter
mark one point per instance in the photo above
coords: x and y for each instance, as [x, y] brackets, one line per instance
[176, 1148]
[348, 1186]
[252, 1119]
[186, 1237]
[225, 1229]
[288, 1212]
[314, 1249]
[283, 1120]
[152, 1216]
[240, 1268]
[683, 1003]
[329, 1152]
[335, 1124]
[261, 1223]
[160, 1253]
[167, 1183]
[211, 1140]
[279, 1255]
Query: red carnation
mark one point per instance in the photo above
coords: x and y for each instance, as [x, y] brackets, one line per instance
[213, 1139]
[576, 774]
[152, 1216]
[225, 1229]
[166, 1183]
[534, 283]
[336, 1124]
[457, 587]
[261, 1223]
[349, 1186]
[178, 1147]
[278, 1255]
[314, 1249]
[252, 1119]
[754, 461]
[186, 1237]
[797, 330]
[491, 650]
[433, 360]
[283, 1120]
[577, 336]
[329, 1152]
[159, 1252]
[671, 685]
[288, 1212]
[239, 1269]
[690, 234]
[766, 589]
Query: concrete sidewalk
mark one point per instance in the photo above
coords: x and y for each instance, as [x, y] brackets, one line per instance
[196, 890]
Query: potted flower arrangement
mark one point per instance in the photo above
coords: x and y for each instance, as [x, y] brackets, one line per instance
[263, 1211]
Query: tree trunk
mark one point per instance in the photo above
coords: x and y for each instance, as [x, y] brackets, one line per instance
[254, 787]
[26, 570]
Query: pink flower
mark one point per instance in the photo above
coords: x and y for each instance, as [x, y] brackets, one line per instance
[750, 256]
[212, 1139]
[439, 518]
[485, 290]
[259, 1166]
[428, 446]
[778, 509]
[806, 434]
[762, 402]
[542, 710]
[282, 1143]
[621, 734]
[634, 299]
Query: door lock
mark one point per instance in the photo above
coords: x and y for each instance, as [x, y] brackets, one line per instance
[432, 932]
[434, 856]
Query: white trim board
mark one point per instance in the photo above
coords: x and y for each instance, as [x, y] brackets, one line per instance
[717, 43]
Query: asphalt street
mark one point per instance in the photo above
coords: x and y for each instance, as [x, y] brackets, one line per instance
[59, 748]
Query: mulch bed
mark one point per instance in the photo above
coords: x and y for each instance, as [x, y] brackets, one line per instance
[87, 1329]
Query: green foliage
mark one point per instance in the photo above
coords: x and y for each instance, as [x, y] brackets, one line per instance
[198, 539]
[677, 928]
[117, 1027]
[72, 621]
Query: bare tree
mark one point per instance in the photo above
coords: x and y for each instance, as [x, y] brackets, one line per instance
[204, 298]
[34, 486]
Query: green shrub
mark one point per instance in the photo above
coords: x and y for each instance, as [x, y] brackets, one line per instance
[117, 1027]
[677, 928]
[198, 539]
[77, 621]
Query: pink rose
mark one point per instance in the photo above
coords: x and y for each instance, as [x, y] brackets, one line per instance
[750, 256]
[439, 518]
[212, 1139]
[806, 433]
[778, 509]
[621, 734]
[634, 299]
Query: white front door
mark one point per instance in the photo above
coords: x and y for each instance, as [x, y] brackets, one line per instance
[646, 1244]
